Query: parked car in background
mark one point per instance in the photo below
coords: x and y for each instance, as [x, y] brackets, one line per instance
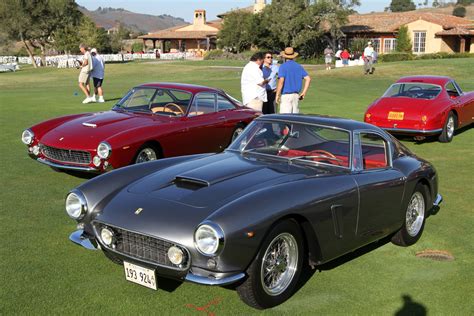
[151, 121]
[290, 190]
[423, 106]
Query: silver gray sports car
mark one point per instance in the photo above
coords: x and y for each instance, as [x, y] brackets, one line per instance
[290, 191]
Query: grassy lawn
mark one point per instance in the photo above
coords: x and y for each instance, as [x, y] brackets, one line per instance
[42, 272]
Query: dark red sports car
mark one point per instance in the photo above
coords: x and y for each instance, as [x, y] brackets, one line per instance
[153, 120]
[423, 106]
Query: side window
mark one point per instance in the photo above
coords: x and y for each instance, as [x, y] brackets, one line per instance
[224, 104]
[452, 90]
[374, 151]
[204, 103]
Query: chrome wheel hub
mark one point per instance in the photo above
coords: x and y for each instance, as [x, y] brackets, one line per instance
[415, 214]
[279, 264]
[237, 133]
[146, 154]
[450, 127]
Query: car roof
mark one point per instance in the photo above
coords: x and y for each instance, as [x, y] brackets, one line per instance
[324, 120]
[180, 86]
[439, 80]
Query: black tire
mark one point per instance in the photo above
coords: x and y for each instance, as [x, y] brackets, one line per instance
[412, 229]
[147, 152]
[252, 291]
[448, 129]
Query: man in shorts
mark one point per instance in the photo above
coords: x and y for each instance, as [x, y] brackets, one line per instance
[97, 75]
[84, 74]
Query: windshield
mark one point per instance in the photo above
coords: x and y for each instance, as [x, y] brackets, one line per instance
[156, 100]
[295, 142]
[415, 90]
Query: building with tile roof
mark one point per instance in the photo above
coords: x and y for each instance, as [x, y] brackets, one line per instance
[429, 32]
[198, 37]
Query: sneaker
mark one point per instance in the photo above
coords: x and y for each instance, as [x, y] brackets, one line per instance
[87, 100]
[93, 98]
[101, 99]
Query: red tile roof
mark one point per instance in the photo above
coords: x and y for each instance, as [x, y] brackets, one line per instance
[390, 22]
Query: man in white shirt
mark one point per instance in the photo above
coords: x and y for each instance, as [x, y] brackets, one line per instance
[84, 75]
[368, 59]
[253, 84]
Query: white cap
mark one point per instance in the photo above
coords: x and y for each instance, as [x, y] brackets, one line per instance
[369, 43]
[94, 50]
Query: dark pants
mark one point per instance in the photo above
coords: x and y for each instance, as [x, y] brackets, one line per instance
[269, 106]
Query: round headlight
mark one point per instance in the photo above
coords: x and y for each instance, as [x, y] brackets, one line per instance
[76, 206]
[107, 236]
[27, 137]
[175, 255]
[209, 238]
[104, 150]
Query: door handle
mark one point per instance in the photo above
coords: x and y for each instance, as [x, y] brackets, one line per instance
[221, 117]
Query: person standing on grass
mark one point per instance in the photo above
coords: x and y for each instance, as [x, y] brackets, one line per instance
[253, 84]
[328, 53]
[368, 59]
[291, 75]
[345, 58]
[270, 72]
[97, 75]
[84, 75]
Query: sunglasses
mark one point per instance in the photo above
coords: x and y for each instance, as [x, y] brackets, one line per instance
[269, 57]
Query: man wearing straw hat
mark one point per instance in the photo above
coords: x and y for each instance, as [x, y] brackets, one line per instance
[291, 75]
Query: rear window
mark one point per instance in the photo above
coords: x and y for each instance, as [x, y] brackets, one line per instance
[414, 90]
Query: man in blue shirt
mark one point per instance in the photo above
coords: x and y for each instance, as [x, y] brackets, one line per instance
[270, 72]
[291, 75]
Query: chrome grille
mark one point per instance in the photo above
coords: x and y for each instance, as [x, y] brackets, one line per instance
[144, 247]
[66, 155]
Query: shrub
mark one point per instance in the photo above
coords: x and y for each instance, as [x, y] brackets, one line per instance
[395, 57]
[218, 54]
[459, 11]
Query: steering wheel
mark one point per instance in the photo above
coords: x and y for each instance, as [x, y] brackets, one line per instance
[325, 155]
[174, 105]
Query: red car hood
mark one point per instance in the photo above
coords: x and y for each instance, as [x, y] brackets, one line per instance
[87, 131]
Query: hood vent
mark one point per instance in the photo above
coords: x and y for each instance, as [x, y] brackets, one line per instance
[190, 183]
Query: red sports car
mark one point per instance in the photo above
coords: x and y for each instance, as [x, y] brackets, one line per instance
[152, 121]
[423, 106]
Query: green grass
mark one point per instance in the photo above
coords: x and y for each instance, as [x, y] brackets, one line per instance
[42, 272]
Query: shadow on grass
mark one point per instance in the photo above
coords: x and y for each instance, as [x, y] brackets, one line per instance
[410, 307]
[431, 139]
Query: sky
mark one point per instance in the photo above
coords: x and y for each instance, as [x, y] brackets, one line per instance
[185, 8]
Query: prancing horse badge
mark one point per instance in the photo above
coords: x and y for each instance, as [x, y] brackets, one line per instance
[138, 211]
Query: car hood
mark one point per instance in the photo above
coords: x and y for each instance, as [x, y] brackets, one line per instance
[87, 131]
[180, 197]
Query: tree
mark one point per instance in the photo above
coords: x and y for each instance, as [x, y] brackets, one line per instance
[404, 44]
[402, 5]
[35, 23]
[465, 2]
[435, 4]
[236, 33]
[459, 11]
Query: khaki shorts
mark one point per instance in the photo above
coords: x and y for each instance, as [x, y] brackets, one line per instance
[255, 104]
[290, 103]
[84, 77]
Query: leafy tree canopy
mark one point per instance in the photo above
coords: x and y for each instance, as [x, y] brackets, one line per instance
[402, 5]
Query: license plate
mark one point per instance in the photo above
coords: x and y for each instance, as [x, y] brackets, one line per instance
[140, 275]
[396, 115]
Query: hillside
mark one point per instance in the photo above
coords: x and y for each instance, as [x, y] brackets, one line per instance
[109, 17]
[449, 10]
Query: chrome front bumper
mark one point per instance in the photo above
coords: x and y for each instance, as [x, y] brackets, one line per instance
[79, 238]
[438, 200]
[59, 166]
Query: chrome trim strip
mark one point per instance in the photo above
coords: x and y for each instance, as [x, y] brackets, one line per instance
[55, 165]
[417, 131]
[190, 277]
[439, 199]
[78, 238]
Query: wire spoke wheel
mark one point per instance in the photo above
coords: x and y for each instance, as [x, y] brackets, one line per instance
[237, 133]
[146, 154]
[450, 127]
[415, 214]
[279, 264]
